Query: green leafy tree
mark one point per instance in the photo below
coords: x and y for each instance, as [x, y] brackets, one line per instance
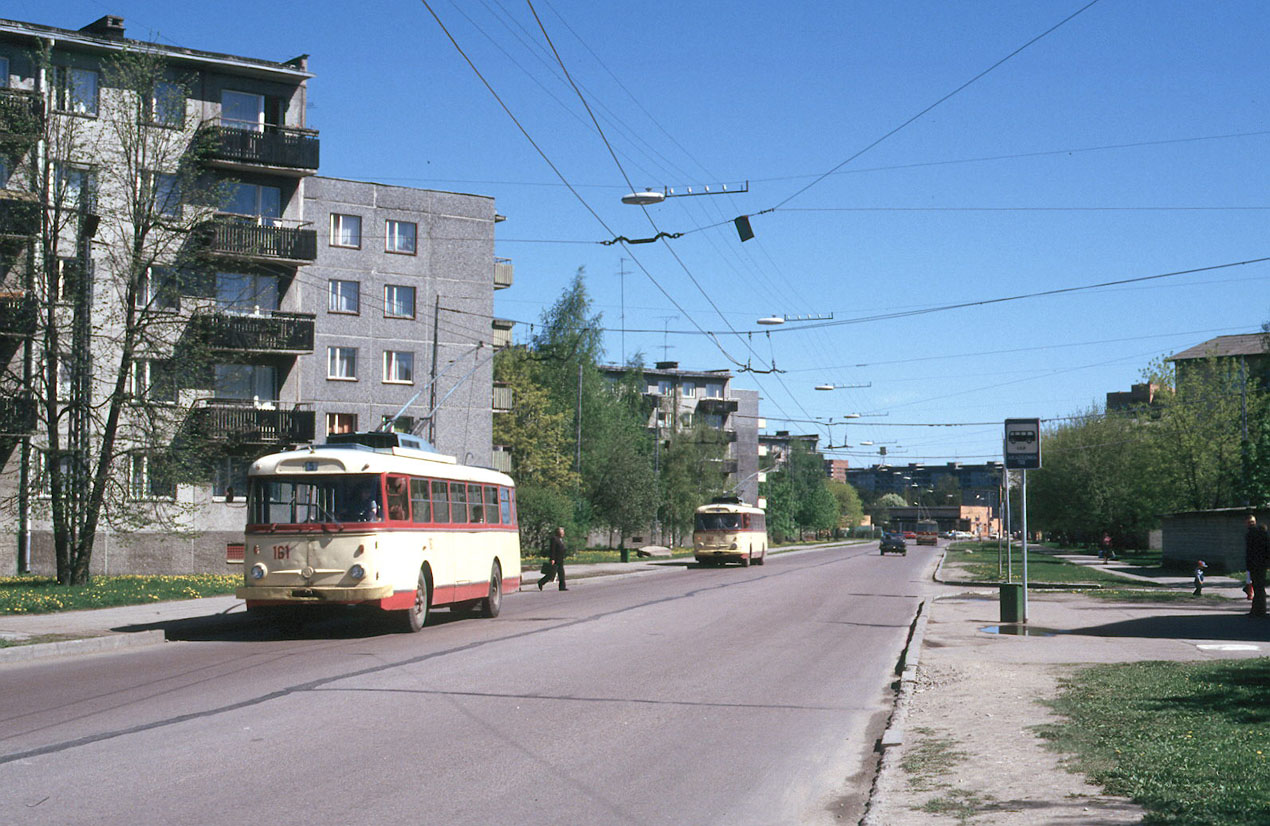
[540, 510]
[536, 434]
[850, 509]
[689, 476]
[880, 510]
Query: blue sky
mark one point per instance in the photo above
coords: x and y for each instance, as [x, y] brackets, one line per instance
[1131, 141]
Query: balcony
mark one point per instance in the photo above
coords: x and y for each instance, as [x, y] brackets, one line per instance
[277, 149]
[503, 273]
[19, 214]
[502, 459]
[716, 405]
[270, 332]
[17, 414]
[21, 115]
[229, 421]
[502, 398]
[266, 241]
[502, 328]
[17, 314]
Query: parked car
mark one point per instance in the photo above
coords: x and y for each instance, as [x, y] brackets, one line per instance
[893, 543]
[910, 535]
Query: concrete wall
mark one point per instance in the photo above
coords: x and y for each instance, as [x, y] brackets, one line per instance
[1217, 537]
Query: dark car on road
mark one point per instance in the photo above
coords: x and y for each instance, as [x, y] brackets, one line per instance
[893, 543]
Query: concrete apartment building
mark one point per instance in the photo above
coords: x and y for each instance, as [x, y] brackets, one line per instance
[323, 305]
[687, 397]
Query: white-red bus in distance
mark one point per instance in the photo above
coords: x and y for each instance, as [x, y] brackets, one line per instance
[729, 531]
[927, 532]
[379, 519]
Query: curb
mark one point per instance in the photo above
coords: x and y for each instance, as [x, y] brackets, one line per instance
[90, 645]
[894, 734]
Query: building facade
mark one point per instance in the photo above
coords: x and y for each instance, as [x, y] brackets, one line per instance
[295, 305]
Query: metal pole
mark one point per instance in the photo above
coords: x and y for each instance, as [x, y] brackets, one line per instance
[1023, 519]
[578, 456]
[1009, 531]
[432, 400]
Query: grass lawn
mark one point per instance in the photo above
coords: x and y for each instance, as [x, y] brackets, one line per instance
[979, 561]
[42, 595]
[1188, 741]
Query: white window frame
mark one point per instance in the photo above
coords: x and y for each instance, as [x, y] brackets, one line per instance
[72, 94]
[157, 291]
[167, 104]
[336, 296]
[343, 226]
[141, 482]
[391, 301]
[144, 377]
[399, 364]
[256, 125]
[395, 239]
[333, 421]
[165, 188]
[341, 363]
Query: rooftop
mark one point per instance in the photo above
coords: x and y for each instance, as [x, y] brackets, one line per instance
[1244, 344]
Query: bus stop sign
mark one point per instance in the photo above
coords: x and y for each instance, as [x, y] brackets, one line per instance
[1022, 444]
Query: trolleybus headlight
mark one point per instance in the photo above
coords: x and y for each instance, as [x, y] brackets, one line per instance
[734, 546]
[258, 571]
[357, 572]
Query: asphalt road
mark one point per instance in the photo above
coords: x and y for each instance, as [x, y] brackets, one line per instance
[699, 695]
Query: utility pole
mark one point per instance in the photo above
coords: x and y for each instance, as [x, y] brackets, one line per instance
[578, 449]
[432, 376]
[621, 274]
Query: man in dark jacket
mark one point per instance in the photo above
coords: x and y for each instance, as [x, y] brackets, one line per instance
[556, 553]
[1255, 548]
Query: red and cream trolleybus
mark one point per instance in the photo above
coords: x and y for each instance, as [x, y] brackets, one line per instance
[379, 519]
[729, 531]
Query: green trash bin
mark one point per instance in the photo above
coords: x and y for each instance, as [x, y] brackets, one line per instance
[1012, 602]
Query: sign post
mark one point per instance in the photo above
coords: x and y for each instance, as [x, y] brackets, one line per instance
[1023, 453]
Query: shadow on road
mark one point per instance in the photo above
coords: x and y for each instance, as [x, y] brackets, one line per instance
[314, 623]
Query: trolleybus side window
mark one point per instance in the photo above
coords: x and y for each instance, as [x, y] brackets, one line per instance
[491, 504]
[458, 502]
[398, 498]
[476, 508]
[505, 505]
[419, 504]
[440, 502]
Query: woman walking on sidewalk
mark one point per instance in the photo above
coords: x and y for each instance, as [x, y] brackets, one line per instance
[1255, 547]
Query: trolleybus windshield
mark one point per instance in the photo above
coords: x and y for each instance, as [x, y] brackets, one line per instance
[307, 499]
[718, 521]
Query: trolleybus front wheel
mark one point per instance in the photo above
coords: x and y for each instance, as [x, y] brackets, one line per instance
[416, 616]
[492, 604]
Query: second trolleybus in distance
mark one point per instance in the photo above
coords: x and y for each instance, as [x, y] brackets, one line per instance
[729, 531]
[927, 532]
[379, 519]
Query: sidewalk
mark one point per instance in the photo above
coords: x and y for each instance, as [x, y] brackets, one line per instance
[961, 747]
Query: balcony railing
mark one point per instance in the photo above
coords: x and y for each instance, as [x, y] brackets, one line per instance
[265, 241]
[502, 399]
[277, 147]
[21, 114]
[19, 215]
[17, 315]
[501, 459]
[17, 414]
[272, 332]
[246, 423]
[716, 405]
[503, 273]
[502, 329]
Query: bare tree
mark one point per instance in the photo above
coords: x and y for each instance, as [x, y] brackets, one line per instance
[117, 174]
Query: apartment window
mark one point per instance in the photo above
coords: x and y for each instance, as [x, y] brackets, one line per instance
[153, 380]
[399, 302]
[255, 200]
[689, 390]
[238, 292]
[346, 230]
[76, 187]
[399, 367]
[664, 387]
[148, 479]
[76, 90]
[341, 363]
[4, 72]
[230, 477]
[714, 390]
[341, 423]
[399, 236]
[343, 297]
[246, 382]
[167, 104]
[158, 290]
[165, 188]
[6, 169]
[242, 110]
